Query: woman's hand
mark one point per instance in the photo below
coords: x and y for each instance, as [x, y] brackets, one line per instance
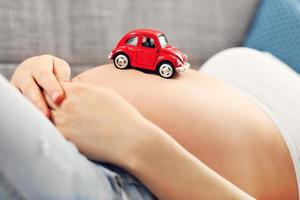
[103, 125]
[39, 76]
[107, 128]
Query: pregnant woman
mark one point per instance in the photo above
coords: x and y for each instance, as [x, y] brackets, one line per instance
[229, 131]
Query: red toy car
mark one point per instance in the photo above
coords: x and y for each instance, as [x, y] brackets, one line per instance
[148, 49]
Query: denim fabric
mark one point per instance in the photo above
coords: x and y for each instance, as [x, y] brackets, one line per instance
[8, 191]
[276, 29]
[132, 187]
[37, 163]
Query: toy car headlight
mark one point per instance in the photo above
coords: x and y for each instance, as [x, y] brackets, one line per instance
[179, 63]
[110, 56]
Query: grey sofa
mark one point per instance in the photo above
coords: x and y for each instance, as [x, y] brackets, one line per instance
[83, 32]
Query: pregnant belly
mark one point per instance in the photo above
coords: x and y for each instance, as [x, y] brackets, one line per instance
[224, 129]
[231, 134]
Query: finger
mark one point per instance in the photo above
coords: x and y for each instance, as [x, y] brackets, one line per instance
[78, 85]
[49, 101]
[17, 77]
[71, 87]
[30, 90]
[49, 83]
[54, 116]
[18, 89]
[59, 121]
[61, 69]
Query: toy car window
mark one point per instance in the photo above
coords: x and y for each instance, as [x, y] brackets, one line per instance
[132, 41]
[148, 42]
[162, 40]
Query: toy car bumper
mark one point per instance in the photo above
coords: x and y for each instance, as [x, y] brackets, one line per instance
[183, 67]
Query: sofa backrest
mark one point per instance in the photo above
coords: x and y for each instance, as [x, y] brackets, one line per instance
[84, 32]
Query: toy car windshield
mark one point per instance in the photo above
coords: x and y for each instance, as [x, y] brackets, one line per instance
[162, 40]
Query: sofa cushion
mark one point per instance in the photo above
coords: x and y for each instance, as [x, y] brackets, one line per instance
[7, 69]
[276, 29]
[83, 32]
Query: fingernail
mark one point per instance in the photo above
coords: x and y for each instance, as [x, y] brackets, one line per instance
[54, 96]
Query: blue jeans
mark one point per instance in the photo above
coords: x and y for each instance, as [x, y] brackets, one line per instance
[37, 163]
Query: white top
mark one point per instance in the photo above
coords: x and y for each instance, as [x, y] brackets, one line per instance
[273, 85]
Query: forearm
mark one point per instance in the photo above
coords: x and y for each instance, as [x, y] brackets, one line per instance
[171, 172]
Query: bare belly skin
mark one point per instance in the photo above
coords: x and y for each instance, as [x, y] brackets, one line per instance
[223, 128]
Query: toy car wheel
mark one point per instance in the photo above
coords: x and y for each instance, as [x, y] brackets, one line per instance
[121, 61]
[166, 70]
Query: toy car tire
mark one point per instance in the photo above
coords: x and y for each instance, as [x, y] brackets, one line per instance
[166, 70]
[121, 61]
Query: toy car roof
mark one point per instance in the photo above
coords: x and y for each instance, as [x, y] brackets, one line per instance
[145, 31]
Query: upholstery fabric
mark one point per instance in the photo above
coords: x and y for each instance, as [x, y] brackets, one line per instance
[276, 29]
[84, 32]
[7, 69]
